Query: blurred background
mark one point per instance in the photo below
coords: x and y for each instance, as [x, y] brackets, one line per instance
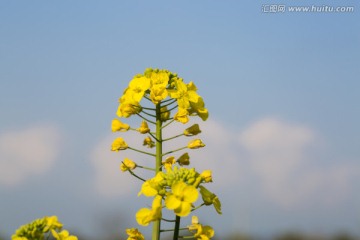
[282, 89]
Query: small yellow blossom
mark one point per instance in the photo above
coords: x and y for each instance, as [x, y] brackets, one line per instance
[52, 223]
[193, 130]
[158, 93]
[200, 232]
[210, 198]
[184, 159]
[206, 176]
[134, 234]
[119, 144]
[196, 143]
[63, 235]
[169, 162]
[148, 142]
[144, 128]
[152, 186]
[117, 125]
[199, 109]
[145, 215]
[127, 164]
[182, 115]
[181, 198]
[138, 85]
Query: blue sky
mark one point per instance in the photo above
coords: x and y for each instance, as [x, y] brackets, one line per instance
[282, 90]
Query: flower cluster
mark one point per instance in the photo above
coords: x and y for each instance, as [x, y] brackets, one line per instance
[40, 228]
[173, 187]
[157, 85]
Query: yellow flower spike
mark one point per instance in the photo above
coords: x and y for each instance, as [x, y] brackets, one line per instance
[210, 198]
[134, 234]
[148, 142]
[181, 198]
[196, 143]
[169, 162]
[145, 215]
[182, 115]
[117, 125]
[206, 176]
[184, 159]
[159, 78]
[193, 130]
[119, 144]
[144, 128]
[165, 114]
[127, 164]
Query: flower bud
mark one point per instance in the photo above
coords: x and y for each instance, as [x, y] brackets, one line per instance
[144, 128]
[117, 125]
[206, 176]
[193, 130]
[149, 142]
[165, 114]
[119, 144]
[184, 159]
[196, 143]
[127, 164]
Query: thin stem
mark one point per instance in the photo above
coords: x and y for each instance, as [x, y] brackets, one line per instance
[167, 139]
[169, 103]
[179, 149]
[146, 119]
[167, 220]
[168, 123]
[177, 228]
[168, 100]
[136, 150]
[173, 108]
[149, 114]
[132, 173]
[170, 230]
[187, 237]
[147, 168]
[203, 204]
[151, 134]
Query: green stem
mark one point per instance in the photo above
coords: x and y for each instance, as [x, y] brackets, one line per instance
[147, 168]
[132, 173]
[168, 123]
[146, 119]
[198, 207]
[170, 230]
[136, 150]
[167, 139]
[158, 168]
[179, 149]
[177, 228]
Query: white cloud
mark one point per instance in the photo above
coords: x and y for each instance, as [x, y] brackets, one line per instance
[278, 155]
[109, 181]
[28, 152]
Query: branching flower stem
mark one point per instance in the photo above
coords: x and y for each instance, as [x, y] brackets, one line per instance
[147, 168]
[136, 150]
[168, 123]
[179, 149]
[167, 139]
[135, 175]
[177, 228]
[146, 119]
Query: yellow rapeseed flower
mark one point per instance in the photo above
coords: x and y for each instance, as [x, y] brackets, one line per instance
[182, 94]
[145, 215]
[199, 109]
[196, 143]
[152, 186]
[134, 234]
[127, 164]
[119, 144]
[200, 232]
[138, 85]
[182, 115]
[193, 130]
[206, 176]
[144, 128]
[63, 235]
[158, 93]
[148, 142]
[169, 162]
[181, 198]
[117, 125]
